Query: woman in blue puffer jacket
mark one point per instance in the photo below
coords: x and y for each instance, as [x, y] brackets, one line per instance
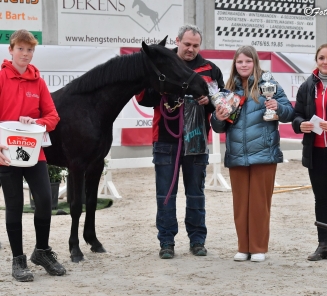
[252, 152]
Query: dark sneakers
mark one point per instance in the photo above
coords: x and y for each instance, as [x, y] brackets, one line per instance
[198, 249]
[320, 253]
[48, 259]
[20, 270]
[167, 252]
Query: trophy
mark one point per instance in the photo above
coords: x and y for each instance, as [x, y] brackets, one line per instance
[223, 97]
[268, 89]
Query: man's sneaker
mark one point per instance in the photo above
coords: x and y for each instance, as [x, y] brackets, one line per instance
[241, 256]
[20, 270]
[198, 249]
[48, 259]
[167, 252]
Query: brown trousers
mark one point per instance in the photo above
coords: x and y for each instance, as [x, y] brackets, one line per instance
[252, 188]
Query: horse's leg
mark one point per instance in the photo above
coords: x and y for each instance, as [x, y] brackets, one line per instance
[139, 13]
[75, 187]
[92, 179]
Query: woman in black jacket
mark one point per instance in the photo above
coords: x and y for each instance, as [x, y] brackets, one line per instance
[311, 100]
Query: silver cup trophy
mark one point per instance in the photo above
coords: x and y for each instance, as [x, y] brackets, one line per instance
[268, 89]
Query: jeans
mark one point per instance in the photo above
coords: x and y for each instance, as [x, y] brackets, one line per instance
[194, 173]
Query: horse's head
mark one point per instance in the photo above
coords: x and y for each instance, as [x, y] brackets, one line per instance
[169, 74]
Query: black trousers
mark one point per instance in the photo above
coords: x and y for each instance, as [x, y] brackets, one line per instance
[318, 178]
[37, 177]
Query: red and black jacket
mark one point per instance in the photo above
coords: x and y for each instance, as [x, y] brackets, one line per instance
[151, 98]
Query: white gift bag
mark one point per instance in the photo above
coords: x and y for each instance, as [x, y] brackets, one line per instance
[46, 142]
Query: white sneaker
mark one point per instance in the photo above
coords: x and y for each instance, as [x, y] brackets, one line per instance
[241, 256]
[259, 257]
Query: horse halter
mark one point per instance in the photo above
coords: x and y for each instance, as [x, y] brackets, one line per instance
[163, 78]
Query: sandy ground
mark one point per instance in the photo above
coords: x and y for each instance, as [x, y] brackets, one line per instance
[131, 265]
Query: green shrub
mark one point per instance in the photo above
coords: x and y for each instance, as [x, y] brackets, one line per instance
[57, 174]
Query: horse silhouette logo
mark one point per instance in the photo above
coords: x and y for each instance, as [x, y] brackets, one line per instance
[22, 154]
[144, 10]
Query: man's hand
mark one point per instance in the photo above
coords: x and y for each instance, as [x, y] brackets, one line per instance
[203, 100]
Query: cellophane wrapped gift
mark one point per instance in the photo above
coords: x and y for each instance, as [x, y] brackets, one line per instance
[224, 98]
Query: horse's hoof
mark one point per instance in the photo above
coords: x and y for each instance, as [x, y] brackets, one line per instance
[77, 259]
[76, 255]
[98, 249]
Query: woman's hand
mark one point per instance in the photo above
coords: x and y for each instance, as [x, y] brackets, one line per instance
[26, 120]
[271, 104]
[306, 127]
[3, 159]
[323, 125]
[221, 113]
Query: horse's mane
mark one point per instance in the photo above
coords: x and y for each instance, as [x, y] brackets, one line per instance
[127, 67]
[124, 68]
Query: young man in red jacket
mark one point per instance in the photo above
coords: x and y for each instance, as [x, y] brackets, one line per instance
[24, 97]
[165, 152]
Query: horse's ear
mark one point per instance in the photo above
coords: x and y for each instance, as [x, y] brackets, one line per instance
[163, 41]
[145, 48]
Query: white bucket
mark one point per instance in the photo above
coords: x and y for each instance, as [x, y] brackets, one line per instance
[23, 142]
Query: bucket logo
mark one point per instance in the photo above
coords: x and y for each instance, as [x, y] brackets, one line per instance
[22, 154]
[21, 141]
[21, 148]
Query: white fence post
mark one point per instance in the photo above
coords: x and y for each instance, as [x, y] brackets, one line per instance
[108, 185]
[217, 181]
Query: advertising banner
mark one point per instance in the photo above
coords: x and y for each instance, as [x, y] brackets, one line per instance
[117, 23]
[59, 65]
[275, 25]
[291, 70]
[15, 15]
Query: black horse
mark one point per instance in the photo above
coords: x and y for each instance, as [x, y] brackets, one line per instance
[143, 9]
[88, 107]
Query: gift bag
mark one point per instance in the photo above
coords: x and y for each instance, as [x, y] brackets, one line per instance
[194, 133]
[46, 142]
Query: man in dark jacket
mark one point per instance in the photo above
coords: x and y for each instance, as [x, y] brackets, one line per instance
[165, 153]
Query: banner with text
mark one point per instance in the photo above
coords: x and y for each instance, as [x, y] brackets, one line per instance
[15, 15]
[275, 25]
[118, 23]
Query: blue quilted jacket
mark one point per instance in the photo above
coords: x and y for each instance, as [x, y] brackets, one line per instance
[251, 140]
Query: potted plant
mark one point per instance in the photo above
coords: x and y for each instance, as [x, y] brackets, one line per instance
[56, 175]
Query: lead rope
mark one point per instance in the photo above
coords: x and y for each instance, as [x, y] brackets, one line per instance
[180, 117]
